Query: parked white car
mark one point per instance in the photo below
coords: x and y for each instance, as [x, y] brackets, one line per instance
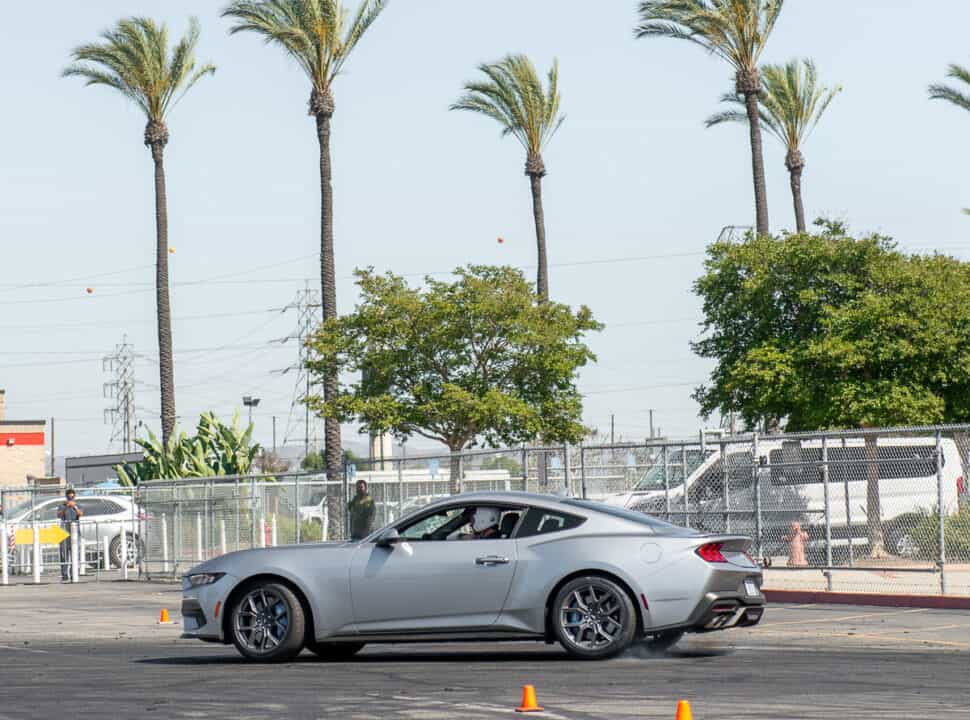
[104, 517]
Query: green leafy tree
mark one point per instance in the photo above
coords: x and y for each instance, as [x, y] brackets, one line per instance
[512, 95]
[476, 360]
[955, 95]
[215, 449]
[134, 58]
[736, 31]
[503, 462]
[827, 331]
[315, 461]
[792, 103]
[319, 35]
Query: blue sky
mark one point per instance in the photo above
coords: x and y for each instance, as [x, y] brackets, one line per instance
[632, 174]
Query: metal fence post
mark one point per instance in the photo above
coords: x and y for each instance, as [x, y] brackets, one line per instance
[164, 543]
[199, 552]
[756, 467]
[106, 553]
[582, 471]
[75, 549]
[683, 480]
[177, 528]
[5, 560]
[566, 479]
[850, 532]
[400, 488]
[273, 535]
[726, 479]
[296, 508]
[525, 469]
[124, 552]
[666, 484]
[252, 513]
[223, 547]
[940, 510]
[262, 530]
[828, 512]
[37, 557]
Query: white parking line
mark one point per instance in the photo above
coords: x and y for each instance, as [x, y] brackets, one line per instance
[476, 707]
[846, 617]
[23, 649]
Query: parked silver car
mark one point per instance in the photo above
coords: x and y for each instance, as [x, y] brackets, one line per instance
[104, 516]
[594, 578]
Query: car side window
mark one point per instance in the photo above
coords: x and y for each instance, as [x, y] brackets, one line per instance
[47, 512]
[539, 521]
[91, 506]
[432, 527]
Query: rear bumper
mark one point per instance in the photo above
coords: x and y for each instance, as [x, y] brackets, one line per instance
[720, 613]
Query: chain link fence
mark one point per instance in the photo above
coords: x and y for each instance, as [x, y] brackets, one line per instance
[877, 510]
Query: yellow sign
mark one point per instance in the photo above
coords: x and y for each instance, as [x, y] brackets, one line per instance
[53, 535]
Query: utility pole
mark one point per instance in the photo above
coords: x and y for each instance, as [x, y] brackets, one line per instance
[612, 429]
[306, 304]
[651, 424]
[53, 472]
[121, 416]
[274, 434]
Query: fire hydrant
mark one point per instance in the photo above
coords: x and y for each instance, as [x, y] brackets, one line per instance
[796, 546]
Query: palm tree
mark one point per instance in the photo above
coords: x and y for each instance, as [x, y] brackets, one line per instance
[953, 95]
[514, 96]
[134, 58]
[317, 34]
[736, 31]
[792, 103]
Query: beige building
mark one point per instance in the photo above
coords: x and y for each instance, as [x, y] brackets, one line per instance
[22, 445]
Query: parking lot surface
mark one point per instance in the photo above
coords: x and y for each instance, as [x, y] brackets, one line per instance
[96, 650]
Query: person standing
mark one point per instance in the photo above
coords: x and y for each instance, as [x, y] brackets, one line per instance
[69, 513]
[361, 509]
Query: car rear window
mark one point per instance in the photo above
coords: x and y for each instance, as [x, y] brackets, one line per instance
[659, 527]
[539, 521]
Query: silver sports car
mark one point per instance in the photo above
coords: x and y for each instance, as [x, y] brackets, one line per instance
[480, 566]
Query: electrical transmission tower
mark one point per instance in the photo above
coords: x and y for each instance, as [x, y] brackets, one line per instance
[121, 389]
[306, 305]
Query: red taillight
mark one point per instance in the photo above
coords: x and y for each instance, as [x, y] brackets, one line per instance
[711, 553]
[961, 486]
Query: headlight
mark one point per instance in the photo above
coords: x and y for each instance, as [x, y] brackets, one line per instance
[203, 579]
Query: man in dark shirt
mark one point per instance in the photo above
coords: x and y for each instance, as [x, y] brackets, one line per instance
[68, 512]
[361, 512]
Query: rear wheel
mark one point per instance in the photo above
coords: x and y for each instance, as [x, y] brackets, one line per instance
[134, 550]
[334, 651]
[593, 618]
[267, 622]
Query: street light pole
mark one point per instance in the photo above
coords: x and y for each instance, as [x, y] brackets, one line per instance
[250, 402]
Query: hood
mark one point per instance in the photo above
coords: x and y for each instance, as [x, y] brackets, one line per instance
[259, 556]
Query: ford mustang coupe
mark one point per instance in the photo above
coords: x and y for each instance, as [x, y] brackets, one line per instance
[480, 566]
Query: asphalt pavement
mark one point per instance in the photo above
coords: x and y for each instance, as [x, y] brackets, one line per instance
[97, 651]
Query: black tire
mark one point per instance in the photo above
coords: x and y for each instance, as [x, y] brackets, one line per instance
[278, 599]
[333, 650]
[135, 545]
[663, 641]
[593, 618]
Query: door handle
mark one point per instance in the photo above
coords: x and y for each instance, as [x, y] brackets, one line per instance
[491, 560]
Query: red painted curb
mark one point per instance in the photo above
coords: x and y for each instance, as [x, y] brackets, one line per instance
[936, 602]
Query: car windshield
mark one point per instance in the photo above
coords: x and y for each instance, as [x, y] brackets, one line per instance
[659, 527]
[669, 469]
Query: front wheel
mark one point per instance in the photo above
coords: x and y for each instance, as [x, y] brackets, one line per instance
[134, 550]
[267, 622]
[593, 618]
[333, 650]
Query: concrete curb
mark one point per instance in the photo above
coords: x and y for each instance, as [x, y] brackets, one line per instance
[935, 602]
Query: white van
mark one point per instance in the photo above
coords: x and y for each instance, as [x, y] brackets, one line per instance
[792, 489]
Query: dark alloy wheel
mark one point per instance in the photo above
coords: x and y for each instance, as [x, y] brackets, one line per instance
[267, 622]
[593, 618]
[334, 650]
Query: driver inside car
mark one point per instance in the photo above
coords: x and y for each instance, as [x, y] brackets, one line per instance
[484, 525]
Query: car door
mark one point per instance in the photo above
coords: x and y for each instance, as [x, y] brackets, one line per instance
[433, 585]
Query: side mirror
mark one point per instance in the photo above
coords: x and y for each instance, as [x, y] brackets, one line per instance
[389, 538]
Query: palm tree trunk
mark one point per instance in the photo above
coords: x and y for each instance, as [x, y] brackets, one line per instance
[333, 459]
[757, 163]
[795, 164]
[164, 311]
[542, 274]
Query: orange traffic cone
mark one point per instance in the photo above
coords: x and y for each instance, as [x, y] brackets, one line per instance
[529, 703]
[683, 710]
[163, 617]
